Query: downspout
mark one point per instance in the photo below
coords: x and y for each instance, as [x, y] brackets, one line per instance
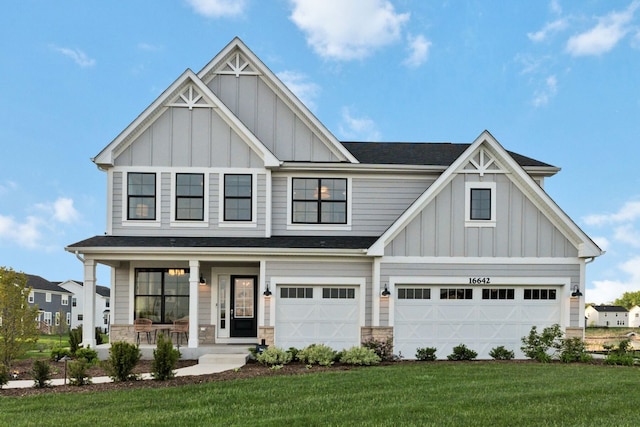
[79, 257]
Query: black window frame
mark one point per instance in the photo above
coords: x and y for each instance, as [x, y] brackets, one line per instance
[228, 198]
[498, 293]
[456, 293]
[319, 201]
[163, 296]
[190, 197]
[148, 197]
[480, 213]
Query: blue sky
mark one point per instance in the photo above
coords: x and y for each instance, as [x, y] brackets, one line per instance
[554, 80]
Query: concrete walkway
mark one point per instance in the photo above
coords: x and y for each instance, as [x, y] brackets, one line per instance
[207, 364]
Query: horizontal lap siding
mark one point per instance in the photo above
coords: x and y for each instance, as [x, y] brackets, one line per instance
[120, 295]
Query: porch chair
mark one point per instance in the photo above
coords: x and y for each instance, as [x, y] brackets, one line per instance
[143, 325]
[180, 326]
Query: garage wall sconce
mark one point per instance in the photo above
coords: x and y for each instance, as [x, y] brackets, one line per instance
[385, 291]
[576, 291]
[267, 291]
[203, 281]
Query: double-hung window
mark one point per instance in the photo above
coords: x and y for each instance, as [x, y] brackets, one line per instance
[141, 196]
[189, 197]
[319, 201]
[237, 197]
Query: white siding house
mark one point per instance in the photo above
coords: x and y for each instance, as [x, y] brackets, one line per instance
[607, 316]
[102, 307]
[231, 205]
[634, 317]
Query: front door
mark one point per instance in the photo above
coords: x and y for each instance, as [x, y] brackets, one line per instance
[244, 305]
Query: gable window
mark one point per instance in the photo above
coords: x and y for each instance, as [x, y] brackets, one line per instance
[189, 197]
[141, 196]
[480, 204]
[162, 295]
[65, 300]
[237, 197]
[319, 201]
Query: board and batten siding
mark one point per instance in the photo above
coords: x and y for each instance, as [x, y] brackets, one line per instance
[521, 229]
[165, 192]
[464, 271]
[376, 204]
[182, 138]
[283, 131]
[323, 269]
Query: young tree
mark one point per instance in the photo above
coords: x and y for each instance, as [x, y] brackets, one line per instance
[17, 320]
[628, 299]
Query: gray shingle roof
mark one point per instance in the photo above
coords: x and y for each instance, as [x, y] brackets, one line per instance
[295, 242]
[610, 308]
[38, 283]
[419, 153]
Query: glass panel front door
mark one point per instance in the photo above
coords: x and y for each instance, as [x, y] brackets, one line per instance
[243, 320]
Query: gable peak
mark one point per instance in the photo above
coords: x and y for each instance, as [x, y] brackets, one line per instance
[237, 64]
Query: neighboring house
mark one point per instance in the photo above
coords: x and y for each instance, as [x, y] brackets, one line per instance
[102, 305]
[606, 316]
[634, 317]
[54, 303]
[232, 205]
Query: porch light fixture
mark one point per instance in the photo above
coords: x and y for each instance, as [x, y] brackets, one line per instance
[385, 291]
[203, 281]
[576, 291]
[267, 291]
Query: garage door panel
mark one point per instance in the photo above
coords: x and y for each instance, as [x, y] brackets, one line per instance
[480, 324]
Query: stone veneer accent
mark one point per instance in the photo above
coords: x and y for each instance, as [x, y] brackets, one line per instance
[206, 334]
[266, 333]
[123, 333]
[378, 333]
[572, 332]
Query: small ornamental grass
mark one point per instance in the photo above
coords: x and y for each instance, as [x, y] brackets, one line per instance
[274, 357]
[165, 359]
[501, 353]
[461, 352]
[123, 357]
[317, 354]
[359, 356]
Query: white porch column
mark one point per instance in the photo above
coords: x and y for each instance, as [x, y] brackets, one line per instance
[194, 282]
[375, 288]
[89, 304]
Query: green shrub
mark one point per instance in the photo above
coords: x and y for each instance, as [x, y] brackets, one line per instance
[501, 353]
[75, 339]
[4, 375]
[88, 354]
[360, 356]
[41, 374]
[98, 336]
[426, 354]
[123, 357]
[78, 372]
[274, 356]
[461, 352]
[383, 348]
[537, 346]
[317, 354]
[293, 352]
[58, 353]
[622, 355]
[165, 359]
[574, 350]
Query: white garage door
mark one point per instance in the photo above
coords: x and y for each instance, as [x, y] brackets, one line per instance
[480, 318]
[317, 315]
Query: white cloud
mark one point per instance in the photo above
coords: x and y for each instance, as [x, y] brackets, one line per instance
[549, 28]
[218, 8]
[630, 211]
[606, 291]
[628, 234]
[542, 96]
[600, 39]
[78, 56]
[555, 7]
[419, 48]
[26, 234]
[347, 30]
[306, 91]
[7, 186]
[358, 128]
[61, 210]
[602, 242]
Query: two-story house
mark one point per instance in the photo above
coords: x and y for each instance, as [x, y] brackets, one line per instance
[232, 205]
[53, 302]
[102, 305]
[607, 316]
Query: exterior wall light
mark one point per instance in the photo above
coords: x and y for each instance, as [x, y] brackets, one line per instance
[576, 291]
[203, 281]
[385, 291]
[267, 292]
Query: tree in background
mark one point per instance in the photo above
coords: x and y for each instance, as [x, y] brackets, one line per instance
[628, 300]
[18, 326]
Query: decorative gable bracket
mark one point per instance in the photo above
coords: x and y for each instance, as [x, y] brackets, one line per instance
[482, 162]
[237, 66]
[191, 99]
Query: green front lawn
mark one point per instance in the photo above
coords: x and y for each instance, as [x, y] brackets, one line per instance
[438, 394]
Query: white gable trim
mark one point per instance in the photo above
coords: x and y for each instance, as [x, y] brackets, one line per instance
[144, 120]
[586, 247]
[289, 97]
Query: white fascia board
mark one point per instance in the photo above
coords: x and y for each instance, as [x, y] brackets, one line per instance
[274, 82]
[144, 252]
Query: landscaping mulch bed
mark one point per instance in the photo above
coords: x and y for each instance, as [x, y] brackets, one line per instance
[250, 370]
